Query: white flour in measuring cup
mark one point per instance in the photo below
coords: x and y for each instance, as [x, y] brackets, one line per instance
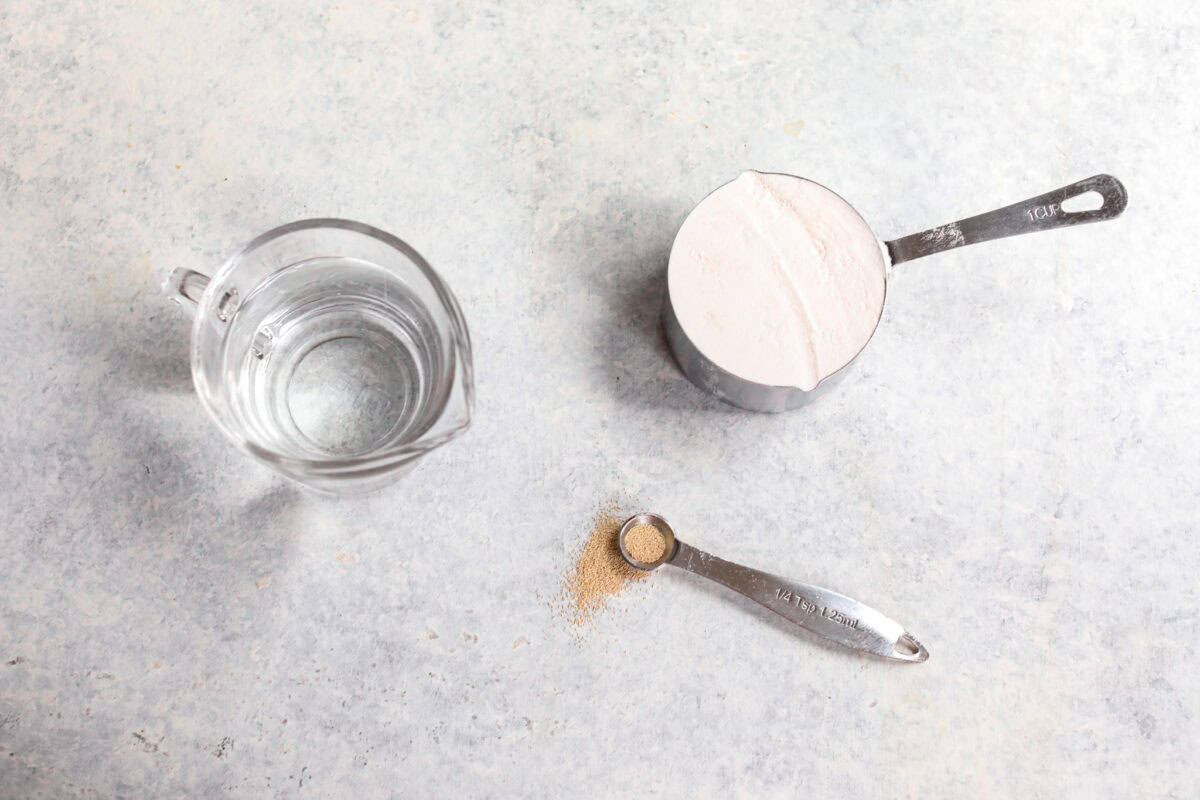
[777, 280]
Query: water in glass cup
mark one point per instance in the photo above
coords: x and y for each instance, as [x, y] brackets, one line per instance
[339, 358]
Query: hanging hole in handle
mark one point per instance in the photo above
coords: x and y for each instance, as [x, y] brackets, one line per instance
[907, 648]
[1088, 201]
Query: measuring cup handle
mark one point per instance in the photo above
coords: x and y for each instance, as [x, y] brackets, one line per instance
[186, 285]
[1041, 213]
[821, 611]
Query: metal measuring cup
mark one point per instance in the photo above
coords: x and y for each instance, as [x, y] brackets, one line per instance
[1041, 213]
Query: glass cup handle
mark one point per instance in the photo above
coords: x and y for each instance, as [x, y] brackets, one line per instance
[186, 285]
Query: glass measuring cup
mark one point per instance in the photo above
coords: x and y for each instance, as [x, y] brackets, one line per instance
[1044, 212]
[330, 351]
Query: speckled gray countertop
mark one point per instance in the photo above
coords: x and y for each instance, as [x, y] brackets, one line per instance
[1011, 471]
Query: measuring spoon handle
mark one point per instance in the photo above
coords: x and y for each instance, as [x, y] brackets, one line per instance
[832, 615]
[1041, 213]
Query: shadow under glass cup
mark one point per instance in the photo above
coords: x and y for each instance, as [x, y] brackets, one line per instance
[331, 351]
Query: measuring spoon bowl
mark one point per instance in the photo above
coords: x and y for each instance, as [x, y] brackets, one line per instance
[655, 521]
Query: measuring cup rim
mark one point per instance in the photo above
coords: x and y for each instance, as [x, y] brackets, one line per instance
[394, 242]
[837, 373]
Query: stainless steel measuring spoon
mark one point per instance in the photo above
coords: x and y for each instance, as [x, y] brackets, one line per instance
[829, 614]
[1042, 213]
